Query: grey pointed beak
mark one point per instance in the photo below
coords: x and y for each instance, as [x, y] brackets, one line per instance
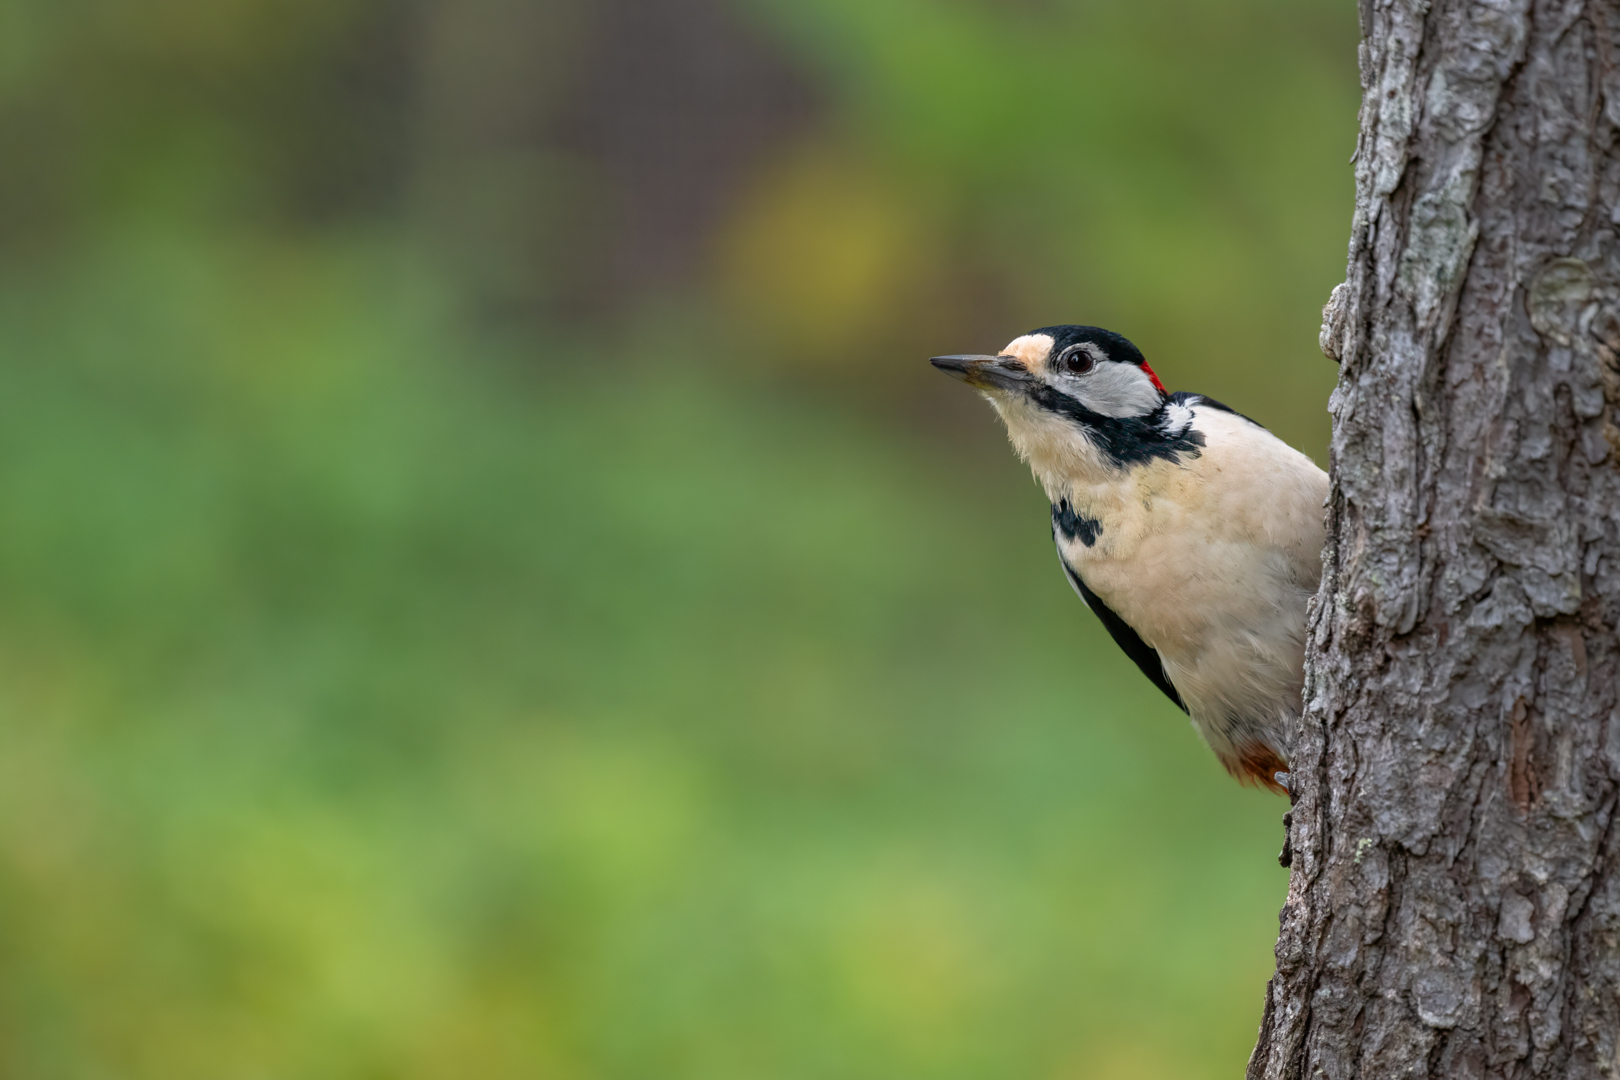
[986, 372]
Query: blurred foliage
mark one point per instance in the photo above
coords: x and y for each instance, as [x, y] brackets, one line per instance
[489, 588]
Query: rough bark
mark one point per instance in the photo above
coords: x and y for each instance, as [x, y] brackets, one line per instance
[1454, 907]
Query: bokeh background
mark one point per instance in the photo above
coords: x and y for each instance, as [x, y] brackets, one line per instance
[491, 588]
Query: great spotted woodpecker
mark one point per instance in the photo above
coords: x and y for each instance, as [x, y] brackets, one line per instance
[1192, 532]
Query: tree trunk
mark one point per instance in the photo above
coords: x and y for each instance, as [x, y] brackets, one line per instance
[1454, 908]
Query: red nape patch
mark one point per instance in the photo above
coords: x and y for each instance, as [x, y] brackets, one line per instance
[1155, 379]
[1258, 764]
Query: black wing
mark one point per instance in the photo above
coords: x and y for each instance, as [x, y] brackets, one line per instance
[1183, 397]
[1145, 655]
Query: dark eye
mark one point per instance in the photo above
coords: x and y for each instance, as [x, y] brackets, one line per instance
[1076, 360]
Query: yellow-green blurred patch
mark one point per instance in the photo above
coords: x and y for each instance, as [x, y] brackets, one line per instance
[822, 253]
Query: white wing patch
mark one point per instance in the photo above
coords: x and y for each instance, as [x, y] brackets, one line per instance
[1178, 416]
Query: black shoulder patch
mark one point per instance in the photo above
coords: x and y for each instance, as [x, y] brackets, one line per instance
[1145, 656]
[1183, 397]
[1075, 526]
[1130, 440]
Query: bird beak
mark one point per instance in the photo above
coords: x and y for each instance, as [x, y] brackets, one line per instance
[986, 372]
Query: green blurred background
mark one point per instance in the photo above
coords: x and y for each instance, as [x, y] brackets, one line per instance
[490, 586]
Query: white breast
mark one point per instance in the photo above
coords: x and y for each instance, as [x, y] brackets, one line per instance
[1212, 561]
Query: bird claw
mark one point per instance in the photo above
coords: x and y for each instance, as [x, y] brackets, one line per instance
[1285, 857]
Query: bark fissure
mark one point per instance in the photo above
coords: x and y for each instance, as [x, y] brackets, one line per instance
[1454, 899]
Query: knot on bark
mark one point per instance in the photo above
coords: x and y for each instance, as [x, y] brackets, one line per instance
[1557, 296]
[1335, 321]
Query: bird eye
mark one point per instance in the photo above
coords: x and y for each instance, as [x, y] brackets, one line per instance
[1077, 360]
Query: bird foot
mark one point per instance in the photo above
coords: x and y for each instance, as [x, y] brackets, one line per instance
[1285, 857]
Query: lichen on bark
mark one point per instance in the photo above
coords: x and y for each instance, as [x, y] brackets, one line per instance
[1454, 904]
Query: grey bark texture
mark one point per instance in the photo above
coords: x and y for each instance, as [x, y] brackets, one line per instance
[1454, 906]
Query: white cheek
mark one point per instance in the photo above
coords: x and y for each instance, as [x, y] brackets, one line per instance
[1113, 389]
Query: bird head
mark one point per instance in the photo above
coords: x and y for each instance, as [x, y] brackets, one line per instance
[1077, 399]
[1096, 369]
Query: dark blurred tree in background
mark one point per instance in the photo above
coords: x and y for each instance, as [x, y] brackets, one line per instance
[489, 586]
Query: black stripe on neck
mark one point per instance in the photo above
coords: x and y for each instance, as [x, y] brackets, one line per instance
[1124, 440]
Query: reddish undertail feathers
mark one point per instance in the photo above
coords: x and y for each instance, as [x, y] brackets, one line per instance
[1258, 764]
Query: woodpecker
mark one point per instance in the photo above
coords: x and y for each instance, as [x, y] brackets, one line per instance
[1193, 533]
